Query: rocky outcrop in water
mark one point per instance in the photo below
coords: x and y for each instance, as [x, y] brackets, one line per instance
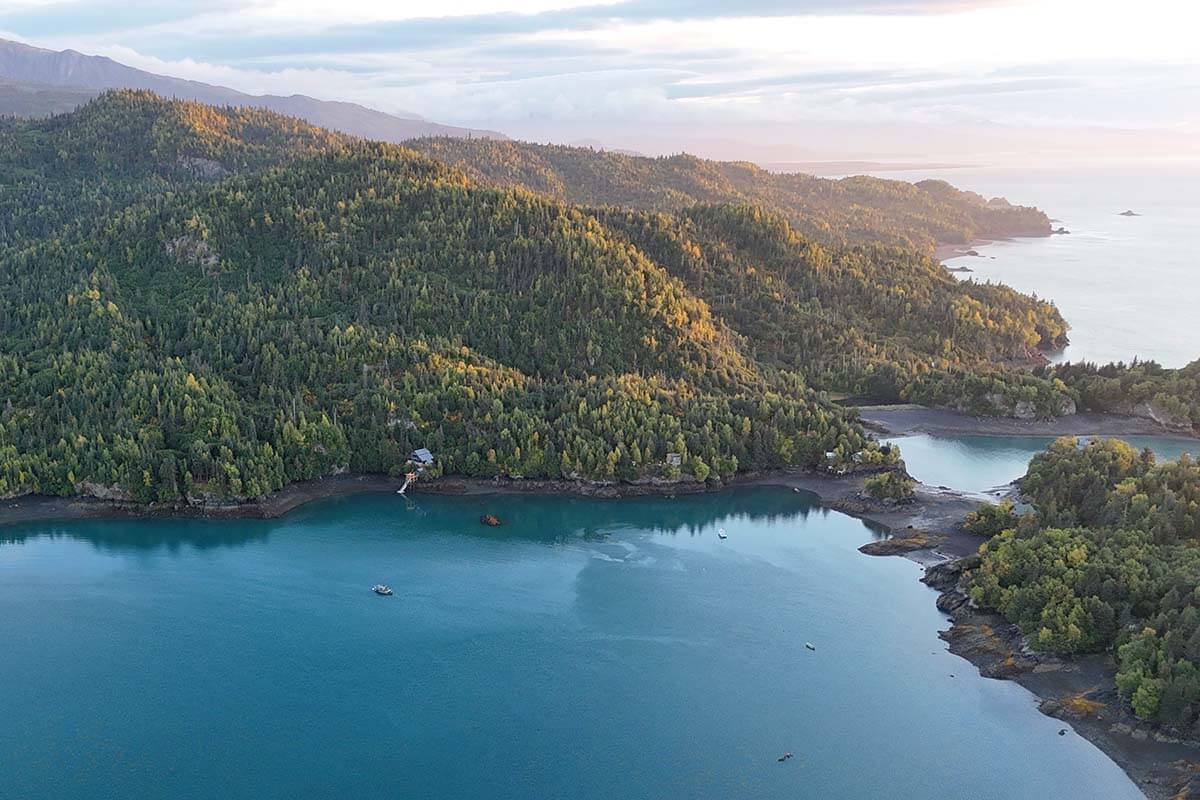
[946, 574]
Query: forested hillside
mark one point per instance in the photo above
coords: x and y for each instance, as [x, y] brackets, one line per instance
[302, 303]
[72, 170]
[212, 303]
[854, 210]
[831, 277]
[1108, 560]
[879, 321]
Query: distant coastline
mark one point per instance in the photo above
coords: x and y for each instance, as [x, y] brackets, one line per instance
[836, 168]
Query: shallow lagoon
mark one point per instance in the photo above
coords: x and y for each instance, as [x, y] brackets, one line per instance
[983, 463]
[588, 649]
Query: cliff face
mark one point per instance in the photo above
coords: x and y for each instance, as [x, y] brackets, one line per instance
[1002, 406]
[1159, 413]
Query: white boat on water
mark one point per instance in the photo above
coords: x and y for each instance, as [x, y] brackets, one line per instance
[721, 533]
[380, 589]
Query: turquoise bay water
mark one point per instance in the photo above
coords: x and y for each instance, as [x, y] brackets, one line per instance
[980, 463]
[588, 649]
[1128, 286]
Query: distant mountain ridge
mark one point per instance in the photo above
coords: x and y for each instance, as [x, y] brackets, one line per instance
[860, 209]
[37, 82]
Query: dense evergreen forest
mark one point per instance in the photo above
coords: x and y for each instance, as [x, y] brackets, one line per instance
[1108, 559]
[211, 303]
[876, 214]
[878, 321]
[858, 210]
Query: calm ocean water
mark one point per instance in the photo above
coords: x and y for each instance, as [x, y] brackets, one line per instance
[588, 649]
[1129, 286]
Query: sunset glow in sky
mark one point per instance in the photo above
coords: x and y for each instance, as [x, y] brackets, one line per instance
[558, 68]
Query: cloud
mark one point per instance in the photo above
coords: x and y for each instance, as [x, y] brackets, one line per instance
[52, 18]
[227, 29]
[780, 65]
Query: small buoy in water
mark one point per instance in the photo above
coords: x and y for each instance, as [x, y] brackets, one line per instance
[810, 645]
[784, 757]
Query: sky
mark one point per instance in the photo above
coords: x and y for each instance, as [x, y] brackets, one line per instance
[960, 80]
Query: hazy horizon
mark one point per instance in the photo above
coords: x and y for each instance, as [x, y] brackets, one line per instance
[963, 81]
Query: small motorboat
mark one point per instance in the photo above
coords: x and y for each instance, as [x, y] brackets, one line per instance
[380, 589]
[721, 533]
[810, 645]
[784, 757]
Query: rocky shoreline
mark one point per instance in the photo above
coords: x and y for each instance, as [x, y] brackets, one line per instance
[1079, 690]
[928, 530]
